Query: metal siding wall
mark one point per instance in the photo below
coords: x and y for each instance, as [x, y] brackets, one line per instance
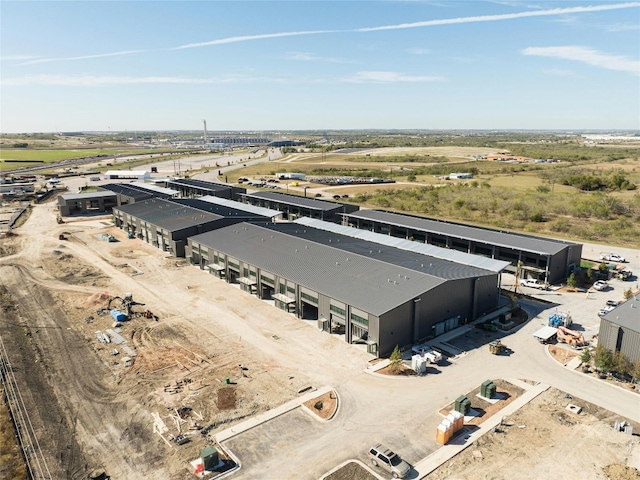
[487, 293]
[604, 335]
[630, 344]
[393, 328]
[558, 267]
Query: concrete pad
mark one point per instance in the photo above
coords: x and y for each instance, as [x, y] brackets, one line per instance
[496, 398]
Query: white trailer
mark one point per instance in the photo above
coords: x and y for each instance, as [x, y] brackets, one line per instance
[426, 352]
[545, 334]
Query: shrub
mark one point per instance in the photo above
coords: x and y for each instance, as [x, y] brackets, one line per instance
[395, 360]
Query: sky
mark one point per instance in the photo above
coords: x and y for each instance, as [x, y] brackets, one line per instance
[316, 65]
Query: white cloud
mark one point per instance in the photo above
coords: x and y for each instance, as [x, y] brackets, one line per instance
[311, 57]
[559, 72]
[500, 17]
[622, 27]
[83, 57]
[419, 51]
[388, 77]
[97, 81]
[589, 56]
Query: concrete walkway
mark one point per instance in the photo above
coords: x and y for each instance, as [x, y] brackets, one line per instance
[446, 452]
[269, 415]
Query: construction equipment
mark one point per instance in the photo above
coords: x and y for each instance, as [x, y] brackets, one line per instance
[125, 305]
[62, 237]
[570, 337]
[557, 319]
[496, 347]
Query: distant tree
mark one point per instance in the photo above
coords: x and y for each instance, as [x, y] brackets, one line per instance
[603, 267]
[571, 281]
[411, 177]
[395, 360]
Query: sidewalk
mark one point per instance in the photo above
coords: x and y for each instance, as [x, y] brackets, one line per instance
[270, 415]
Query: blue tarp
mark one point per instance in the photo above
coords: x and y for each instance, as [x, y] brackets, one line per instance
[118, 315]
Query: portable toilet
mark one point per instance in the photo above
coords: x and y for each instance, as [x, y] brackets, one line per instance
[419, 364]
[210, 458]
[457, 419]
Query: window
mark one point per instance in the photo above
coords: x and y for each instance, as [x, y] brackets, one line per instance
[358, 319]
[291, 290]
[266, 279]
[234, 265]
[308, 297]
[338, 310]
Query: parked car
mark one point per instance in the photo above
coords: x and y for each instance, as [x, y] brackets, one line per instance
[600, 285]
[612, 303]
[532, 284]
[612, 257]
[603, 311]
[391, 462]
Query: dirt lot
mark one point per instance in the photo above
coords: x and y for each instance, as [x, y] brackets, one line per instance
[80, 397]
[545, 440]
[90, 411]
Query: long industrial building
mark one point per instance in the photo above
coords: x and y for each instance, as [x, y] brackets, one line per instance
[544, 259]
[294, 206]
[167, 224]
[190, 188]
[372, 292]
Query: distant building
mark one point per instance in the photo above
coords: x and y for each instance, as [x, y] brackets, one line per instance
[454, 176]
[86, 203]
[545, 259]
[127, 174]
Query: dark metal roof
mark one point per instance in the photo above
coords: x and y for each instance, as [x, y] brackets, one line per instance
[220, 209]
[168, 215]
[516, 241]
[85, 196]
[626, 314]
[305, 202]
[132, 192]
[449, 254]
[345, 270]
[201, 184]
[245, 207]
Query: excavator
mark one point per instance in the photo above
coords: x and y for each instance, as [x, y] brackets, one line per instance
[570, 337]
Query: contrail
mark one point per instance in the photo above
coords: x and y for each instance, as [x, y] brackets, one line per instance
[505, 16]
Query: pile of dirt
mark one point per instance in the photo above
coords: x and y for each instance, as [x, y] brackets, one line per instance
[226, 398]
[621, 472]
[97, 300]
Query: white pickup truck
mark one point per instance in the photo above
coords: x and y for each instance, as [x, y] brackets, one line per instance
[427, 352]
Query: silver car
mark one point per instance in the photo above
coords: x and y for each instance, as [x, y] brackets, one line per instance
[392, 463]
